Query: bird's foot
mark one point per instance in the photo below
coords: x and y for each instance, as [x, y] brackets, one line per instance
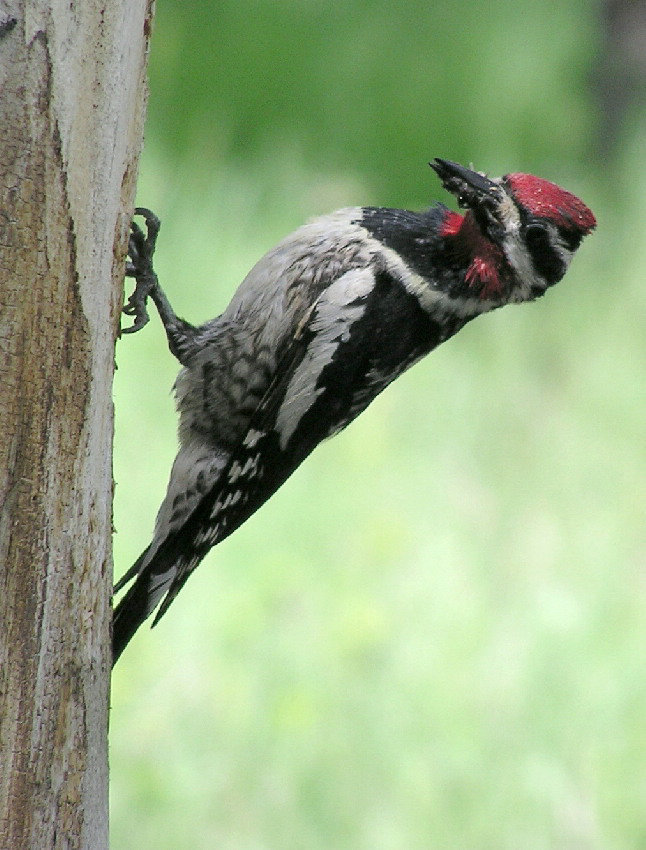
[140, 266]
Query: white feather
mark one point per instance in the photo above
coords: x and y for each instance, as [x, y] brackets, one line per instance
[338, 308]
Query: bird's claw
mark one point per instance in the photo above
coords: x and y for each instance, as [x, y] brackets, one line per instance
[141, 248]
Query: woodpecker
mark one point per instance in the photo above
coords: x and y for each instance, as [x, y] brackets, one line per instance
[318, 328]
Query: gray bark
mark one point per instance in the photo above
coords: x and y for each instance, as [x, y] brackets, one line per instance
[72, 105]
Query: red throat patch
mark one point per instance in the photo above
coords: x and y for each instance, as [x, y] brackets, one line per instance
[485, 260]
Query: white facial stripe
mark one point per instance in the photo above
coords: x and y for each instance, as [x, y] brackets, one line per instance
[509, 214]
[433, 301]
[520, 259]
[521, 262]
[334, 315]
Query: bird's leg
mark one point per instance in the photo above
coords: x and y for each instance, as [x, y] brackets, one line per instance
[140, 266]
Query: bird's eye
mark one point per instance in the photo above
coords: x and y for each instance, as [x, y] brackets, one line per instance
[547, 260]
[537, 238]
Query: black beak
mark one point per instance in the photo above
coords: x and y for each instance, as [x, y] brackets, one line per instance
[470, 187]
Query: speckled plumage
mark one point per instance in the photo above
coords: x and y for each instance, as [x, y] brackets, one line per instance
[318, 328]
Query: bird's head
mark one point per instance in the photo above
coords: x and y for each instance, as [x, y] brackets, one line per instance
[519, 232]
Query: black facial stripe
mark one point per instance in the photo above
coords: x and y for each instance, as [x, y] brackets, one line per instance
[545, 258]
[570, 238]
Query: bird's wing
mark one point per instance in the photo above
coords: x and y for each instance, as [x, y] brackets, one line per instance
[288, 423]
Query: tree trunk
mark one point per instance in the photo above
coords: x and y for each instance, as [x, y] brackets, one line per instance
[72, 104]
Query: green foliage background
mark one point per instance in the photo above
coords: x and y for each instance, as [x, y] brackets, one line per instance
[433, 636]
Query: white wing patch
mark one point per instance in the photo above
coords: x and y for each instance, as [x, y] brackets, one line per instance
[338, 308]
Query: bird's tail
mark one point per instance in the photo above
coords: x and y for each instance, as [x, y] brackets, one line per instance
[129, 614]
[153, 578]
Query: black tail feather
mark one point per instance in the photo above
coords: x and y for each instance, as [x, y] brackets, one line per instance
[129, 614]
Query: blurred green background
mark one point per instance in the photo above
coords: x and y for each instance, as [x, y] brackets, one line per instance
[433, 636]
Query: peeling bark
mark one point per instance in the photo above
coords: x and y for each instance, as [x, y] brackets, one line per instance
[72, 104]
